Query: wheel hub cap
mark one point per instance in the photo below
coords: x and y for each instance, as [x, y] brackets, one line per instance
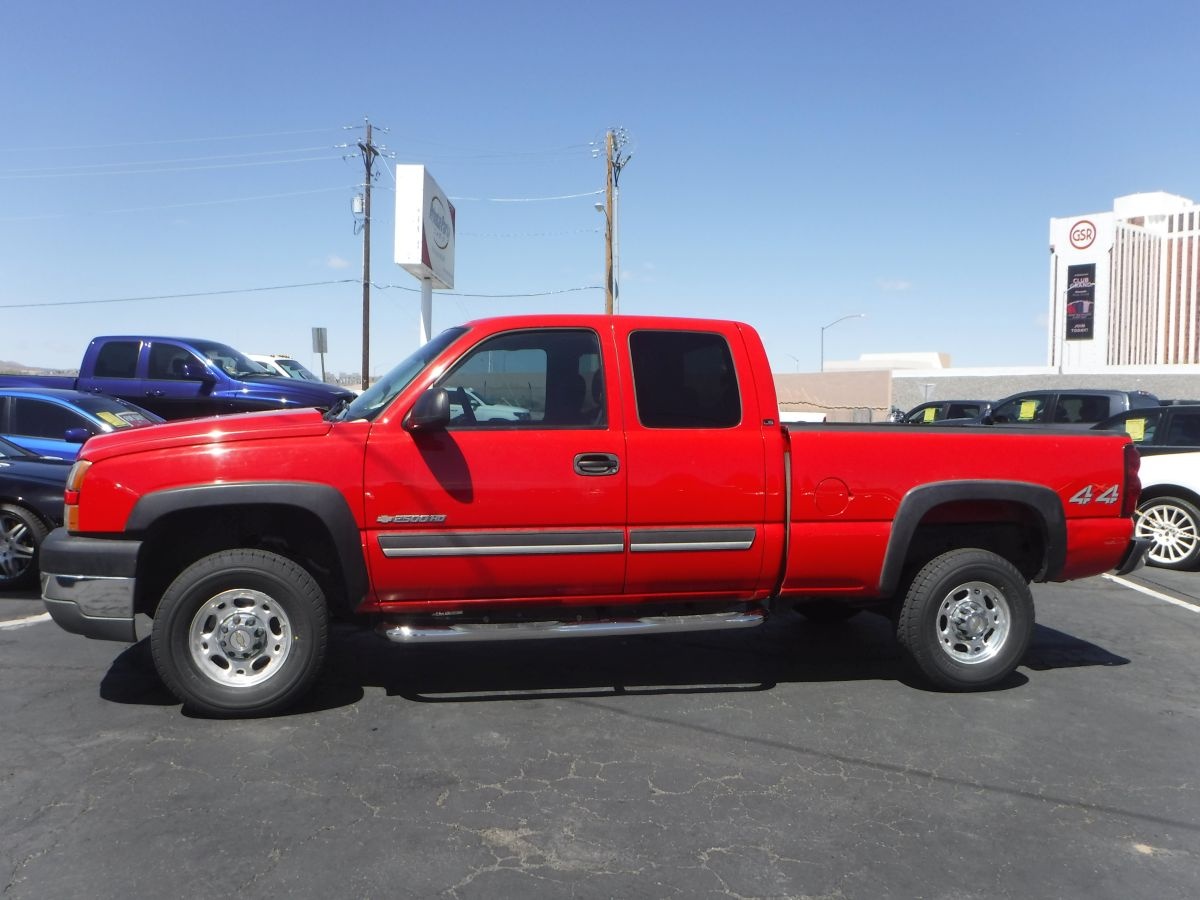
[242, 636]
[973, 622]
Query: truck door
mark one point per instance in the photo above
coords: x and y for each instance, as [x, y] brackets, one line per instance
[177, 382]
[523, 496]
[696, 462]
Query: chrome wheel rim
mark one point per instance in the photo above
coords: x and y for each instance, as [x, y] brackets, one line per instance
[17, 546]
[973, 622]
[1171, 529]
[240, 638]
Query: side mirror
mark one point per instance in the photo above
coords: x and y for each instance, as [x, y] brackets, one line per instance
[193, 371]
[76, 435]
[431, 412]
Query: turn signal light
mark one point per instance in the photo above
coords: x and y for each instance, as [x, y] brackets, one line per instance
[71, 494]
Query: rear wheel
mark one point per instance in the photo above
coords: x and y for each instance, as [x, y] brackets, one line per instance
[240, 633]
[966, 620]
[21, 536]
[1173, 526]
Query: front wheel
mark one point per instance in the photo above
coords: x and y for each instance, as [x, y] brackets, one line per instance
[240, 633]
[966, 620]
[1173, 526]
[21, 536]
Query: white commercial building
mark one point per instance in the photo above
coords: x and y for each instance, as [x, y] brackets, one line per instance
[1125, 285]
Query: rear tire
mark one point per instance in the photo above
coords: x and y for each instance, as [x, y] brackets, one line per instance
[21, 536]
[966, 620]
[240, 633]
[1173, 525]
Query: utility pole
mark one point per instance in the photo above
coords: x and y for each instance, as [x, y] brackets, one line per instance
[369, 152]
[608, 225]
[614, 140]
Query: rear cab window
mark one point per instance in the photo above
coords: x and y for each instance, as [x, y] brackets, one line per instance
[684, 379]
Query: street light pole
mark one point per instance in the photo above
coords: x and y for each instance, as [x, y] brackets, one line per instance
[830, 325]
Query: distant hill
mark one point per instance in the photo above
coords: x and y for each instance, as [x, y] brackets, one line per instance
[16, 368]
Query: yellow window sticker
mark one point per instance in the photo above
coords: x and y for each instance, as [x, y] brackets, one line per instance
[1028, 411]
[930, 414]
[1136, 429]
[112, 419]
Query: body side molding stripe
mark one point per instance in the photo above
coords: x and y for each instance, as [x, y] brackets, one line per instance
[508, 543]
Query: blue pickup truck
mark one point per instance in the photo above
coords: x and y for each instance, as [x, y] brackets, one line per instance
[182, 378]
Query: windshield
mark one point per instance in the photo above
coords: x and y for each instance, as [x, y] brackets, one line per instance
[295, 369]
[376, 398]
[234, 363]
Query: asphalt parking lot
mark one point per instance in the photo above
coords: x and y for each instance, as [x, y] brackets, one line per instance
[789, 761]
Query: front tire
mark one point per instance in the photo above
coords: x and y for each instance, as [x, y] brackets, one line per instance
[1173, 526]
[966, 620]
[21, 536]
[240, 633]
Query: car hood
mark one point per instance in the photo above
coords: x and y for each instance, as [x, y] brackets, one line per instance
[297, 390]
[212, 430]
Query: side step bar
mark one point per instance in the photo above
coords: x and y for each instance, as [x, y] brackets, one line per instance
[524, 631]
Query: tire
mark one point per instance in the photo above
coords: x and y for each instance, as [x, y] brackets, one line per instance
[21, 536]
[1173, 525]
[966, 620]
[240, 633]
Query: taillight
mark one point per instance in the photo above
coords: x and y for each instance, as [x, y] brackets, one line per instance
[71, 494]
[1133, 484]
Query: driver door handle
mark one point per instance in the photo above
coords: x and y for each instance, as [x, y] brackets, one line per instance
[597, 464]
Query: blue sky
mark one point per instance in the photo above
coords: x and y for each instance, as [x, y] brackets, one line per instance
[791, 163]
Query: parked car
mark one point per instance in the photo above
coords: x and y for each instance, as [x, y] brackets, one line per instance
[1168, 441]
[31, 504]
[183, 378]
[467, 403]
[950, 411]
[287, 366]
[1080, 408]
[56, 421]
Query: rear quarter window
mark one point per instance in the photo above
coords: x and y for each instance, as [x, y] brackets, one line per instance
[684, 379]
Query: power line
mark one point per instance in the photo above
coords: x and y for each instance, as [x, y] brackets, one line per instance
[274, 287]
[132, 209]
[284, 287]
[199, 140]
[159, 162]
[271, 162]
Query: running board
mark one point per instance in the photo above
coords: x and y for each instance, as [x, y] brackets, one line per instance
[526, 631]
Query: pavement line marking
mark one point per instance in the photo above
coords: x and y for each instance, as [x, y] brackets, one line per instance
[1158, 595]
[25, 622]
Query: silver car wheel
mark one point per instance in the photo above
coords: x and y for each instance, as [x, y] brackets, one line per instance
[1173, 531]
[240, 638]
[973, 622]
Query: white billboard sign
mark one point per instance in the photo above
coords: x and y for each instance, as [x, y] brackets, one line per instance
[424, 227]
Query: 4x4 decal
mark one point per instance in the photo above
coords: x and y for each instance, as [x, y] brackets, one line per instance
[1110, 495]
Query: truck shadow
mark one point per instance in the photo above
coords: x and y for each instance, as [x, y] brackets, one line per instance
[787, 649]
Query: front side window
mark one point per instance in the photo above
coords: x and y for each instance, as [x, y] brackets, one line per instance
[1021, 409]
[37, 418]
[684, 379]
[168, 361]
[536, 378]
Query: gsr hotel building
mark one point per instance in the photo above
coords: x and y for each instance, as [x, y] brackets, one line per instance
[1125, 285]
[1124, 313]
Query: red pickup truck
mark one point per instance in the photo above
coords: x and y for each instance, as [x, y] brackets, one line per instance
[650, 487]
